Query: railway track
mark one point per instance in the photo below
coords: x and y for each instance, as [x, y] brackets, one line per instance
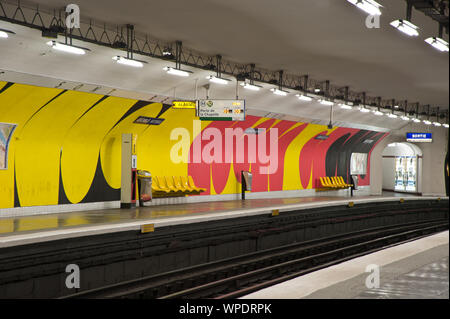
[238, 276]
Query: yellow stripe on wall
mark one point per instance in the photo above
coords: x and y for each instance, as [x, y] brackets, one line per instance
[110, 152]
[38, 153]
[17, 104]
[82, 144]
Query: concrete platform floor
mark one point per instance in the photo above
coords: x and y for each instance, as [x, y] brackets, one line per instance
[414, 270]
[45, 227]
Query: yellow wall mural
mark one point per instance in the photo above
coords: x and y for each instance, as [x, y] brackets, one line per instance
[66, 147]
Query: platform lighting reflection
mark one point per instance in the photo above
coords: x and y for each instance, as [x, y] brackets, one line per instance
[437, 124]
[405, 118]
[426, 122]
[129, 62]
[445, 125]
[303, 97]
[66, 48]
[217, 80]
[279, 92]
[3, 34]
[416, 120]
[369, 6]
[325, 102]
[392, 116]
[345, 106]
[251, 87]
[177, 72]
[406, 27]
[438, 43]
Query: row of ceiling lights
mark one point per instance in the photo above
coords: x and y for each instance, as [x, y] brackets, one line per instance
[404, 25]
[247, 84]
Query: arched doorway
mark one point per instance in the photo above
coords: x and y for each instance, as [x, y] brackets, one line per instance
[402, 168]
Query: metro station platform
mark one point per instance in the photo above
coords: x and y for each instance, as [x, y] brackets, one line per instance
[47, 227]
[414, 270]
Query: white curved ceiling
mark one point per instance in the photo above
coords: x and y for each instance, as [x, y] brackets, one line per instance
[326, 39]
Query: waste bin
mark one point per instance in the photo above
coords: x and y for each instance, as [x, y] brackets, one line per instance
[355, 182]
[246, 182]
[144, 186]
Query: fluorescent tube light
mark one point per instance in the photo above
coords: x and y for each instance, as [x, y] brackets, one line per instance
[66, 48]
[325, 102]
[405, 27]
[303, 97]
[345, 106]
[426, 122]
[416, 120]
[251, 87]
[364, 110]
[438, 43]
[217, 80]
[177, 72]
[445, 125]
[129, 62]
[279, 92]
[437, 124]
[368, 6]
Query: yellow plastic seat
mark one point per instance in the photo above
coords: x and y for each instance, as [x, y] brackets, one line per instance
[343, 182]
[156, 188]
[185, 183]
[337, 182]
[330, 183]
[171, 186]
[162, 184]
[179, 185]
[192, 185]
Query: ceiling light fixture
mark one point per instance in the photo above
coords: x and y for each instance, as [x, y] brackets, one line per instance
[445, 125]
[364, 110]
[368, 6]
[345, 106]
[218, 77]
[66, 48]
[378, 113]
[438, 43]
[406, 27]
[325, 102]
[5, 33]
[217, 80]
[251, 87]
[177, 72]
[129, 62]
[303, 97]
[279, 92]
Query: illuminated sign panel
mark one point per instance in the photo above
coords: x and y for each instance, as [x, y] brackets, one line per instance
[184, 104]
[221, 110]
[419, 137]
